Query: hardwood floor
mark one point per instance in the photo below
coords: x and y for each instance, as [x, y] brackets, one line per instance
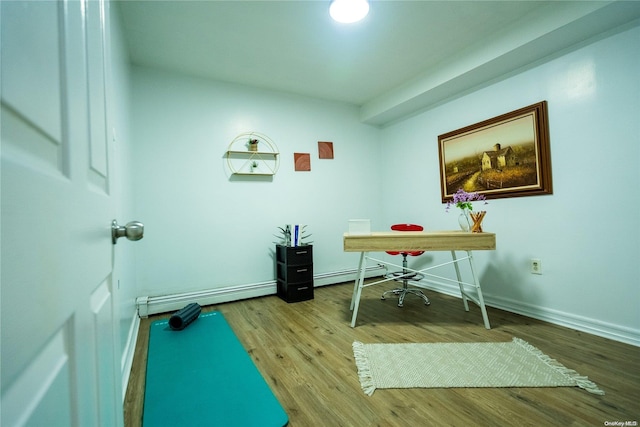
[303, 350]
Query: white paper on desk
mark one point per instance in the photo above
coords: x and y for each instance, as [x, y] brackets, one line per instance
[359, 226]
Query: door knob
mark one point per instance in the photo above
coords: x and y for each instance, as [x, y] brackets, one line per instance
[134, 230]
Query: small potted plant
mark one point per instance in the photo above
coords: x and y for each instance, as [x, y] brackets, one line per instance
[253, 144]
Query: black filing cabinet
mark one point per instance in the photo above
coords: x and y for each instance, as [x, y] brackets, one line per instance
[294, 268]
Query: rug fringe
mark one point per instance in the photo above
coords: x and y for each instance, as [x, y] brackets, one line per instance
[364, 370]
[581, 381]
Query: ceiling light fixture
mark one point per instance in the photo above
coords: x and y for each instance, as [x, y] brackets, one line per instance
[348, 11]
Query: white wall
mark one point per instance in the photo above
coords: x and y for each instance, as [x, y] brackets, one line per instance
[587, 233]
[205, 229]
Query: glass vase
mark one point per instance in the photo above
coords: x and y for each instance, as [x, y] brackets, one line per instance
[464, 220]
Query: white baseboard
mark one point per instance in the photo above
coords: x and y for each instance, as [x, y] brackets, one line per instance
[127, 356]
[568, 320]
[162, 304]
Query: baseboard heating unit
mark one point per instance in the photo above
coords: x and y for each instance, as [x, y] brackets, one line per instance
[149, 305]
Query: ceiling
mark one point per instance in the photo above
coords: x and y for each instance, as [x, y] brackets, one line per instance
[404, 57]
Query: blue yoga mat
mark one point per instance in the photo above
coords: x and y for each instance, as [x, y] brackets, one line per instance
[202, 376]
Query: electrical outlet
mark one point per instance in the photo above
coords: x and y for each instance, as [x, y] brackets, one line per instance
[536, 266]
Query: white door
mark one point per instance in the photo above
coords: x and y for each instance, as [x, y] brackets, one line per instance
[59, 363]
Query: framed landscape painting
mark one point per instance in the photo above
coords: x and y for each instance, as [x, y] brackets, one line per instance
[506, 156]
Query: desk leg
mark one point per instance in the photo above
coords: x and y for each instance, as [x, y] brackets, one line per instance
[476, 282]
[355, 302]
[464, 297]
[355, 282]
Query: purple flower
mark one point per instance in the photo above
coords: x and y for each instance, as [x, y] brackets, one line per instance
[463, 200]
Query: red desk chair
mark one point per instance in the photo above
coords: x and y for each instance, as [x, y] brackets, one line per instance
[405, 276]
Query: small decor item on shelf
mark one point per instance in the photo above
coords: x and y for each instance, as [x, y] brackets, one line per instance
[293, 235]
[253, 144]
[463, 200]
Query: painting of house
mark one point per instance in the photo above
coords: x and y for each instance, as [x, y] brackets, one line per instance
[498, 158]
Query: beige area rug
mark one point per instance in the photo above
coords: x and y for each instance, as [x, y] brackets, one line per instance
[447, 365]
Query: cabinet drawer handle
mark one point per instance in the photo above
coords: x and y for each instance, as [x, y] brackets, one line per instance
[301, 270]
[301, 252]
[302, 289]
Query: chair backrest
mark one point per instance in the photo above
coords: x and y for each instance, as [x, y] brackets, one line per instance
[406, 227]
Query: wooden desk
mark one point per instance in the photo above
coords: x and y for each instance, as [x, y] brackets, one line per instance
[451, 241]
